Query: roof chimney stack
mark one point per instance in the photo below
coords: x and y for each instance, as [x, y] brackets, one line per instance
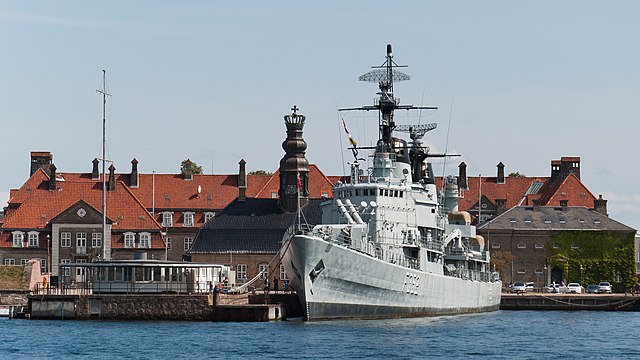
[52, 177]
[600, 205]
[134, 177]
[111, 185]
[242, 181]
[95, 175]
[500, 177]
[188, 170]
[40, 160]
[462, 176]
[564, 204]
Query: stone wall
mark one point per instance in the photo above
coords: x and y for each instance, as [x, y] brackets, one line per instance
[145, 307]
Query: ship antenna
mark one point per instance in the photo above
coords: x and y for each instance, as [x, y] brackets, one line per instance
[446, 144]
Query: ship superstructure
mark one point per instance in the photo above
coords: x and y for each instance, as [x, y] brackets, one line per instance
[390, 243]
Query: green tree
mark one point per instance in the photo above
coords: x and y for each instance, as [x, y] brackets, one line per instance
[195, 168]
[516, 175]
[260, 172]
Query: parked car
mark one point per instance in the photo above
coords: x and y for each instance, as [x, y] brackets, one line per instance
[593, 289]
[529, 286]
[574, 288]
[518, 287]
[604, 287]
[554, 288]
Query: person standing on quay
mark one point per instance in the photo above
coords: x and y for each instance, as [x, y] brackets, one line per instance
[275, 284]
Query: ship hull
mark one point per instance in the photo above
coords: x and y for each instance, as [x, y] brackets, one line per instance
[335, 282]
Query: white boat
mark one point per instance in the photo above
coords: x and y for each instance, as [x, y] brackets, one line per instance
[391, 244]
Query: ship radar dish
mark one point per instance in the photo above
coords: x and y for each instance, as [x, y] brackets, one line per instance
[381, 75]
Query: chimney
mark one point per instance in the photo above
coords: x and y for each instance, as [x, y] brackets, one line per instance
[111, 184]
[188, 170]
[570, 165]
[600, 205]
[52, 177]
[242, 181]
[536, 204]
[462, 176]
[133, 178]
[500, 178]
[555, 170]
[564, 204]
[40, 159]
[95, 175]
[501, 206]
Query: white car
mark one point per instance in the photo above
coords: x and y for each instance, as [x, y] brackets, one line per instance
[519, 287]
[604, 287]
[574, 288]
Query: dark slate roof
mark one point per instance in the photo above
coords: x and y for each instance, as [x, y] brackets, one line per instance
[254, 226]
[553, 218]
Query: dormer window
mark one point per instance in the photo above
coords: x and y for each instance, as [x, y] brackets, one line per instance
[188, 219]
[208, 216]
[167, 218]
[33, 239]
[129, 240]
[18, 238]
[145, 240]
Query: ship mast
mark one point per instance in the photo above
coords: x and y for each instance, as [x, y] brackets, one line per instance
[104, 93]
[385, 75]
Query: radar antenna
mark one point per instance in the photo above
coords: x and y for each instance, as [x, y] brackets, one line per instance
[416, 132]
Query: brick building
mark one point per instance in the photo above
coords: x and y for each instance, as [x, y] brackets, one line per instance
[542, 244]
[60, 221]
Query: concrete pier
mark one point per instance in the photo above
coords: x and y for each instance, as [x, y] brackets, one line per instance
[597, 302]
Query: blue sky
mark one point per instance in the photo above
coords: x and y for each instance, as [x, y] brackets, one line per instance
[211, 81]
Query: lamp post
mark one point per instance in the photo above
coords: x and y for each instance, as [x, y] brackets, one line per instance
[545, 275]
[581, 270]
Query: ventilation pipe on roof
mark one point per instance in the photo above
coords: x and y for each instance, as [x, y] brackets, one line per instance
[52, 177]
[134, 177]
[95, 175]
[242, 181]
[111, 184]
[500, 177]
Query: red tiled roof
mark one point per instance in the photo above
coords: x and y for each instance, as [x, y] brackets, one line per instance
[43, 205]
[512, 190]
[319, 184]
[573, 190]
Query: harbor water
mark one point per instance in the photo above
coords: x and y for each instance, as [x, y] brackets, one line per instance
[501, 334]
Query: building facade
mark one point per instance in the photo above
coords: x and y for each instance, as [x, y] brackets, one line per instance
[545, 244]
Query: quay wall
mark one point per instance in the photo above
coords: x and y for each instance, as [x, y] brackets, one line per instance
[148, 307]
[597, 302]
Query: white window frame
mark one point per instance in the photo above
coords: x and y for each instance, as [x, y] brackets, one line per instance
[241, 270]
[81, 236]
[169, 242]
[96, 240]
[9, 261]
[66, 271]
[188, 243]
[283, 273]
[65, 239]
[495, 245]
[18, 239]
[522, 245]
[522, 271]
[24, 261]
[188, 218]
[144, 240]
[209, 215]
[167, 218]
[129, 240]
[34, 240]
[43, 266]
[261, 267]
[539, 246]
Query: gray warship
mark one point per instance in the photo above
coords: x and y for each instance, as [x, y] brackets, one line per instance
[391, 244]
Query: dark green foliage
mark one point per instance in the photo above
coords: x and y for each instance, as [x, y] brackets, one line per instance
[604, 256]
[261, 172]
[516, 175]
[195, 168]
